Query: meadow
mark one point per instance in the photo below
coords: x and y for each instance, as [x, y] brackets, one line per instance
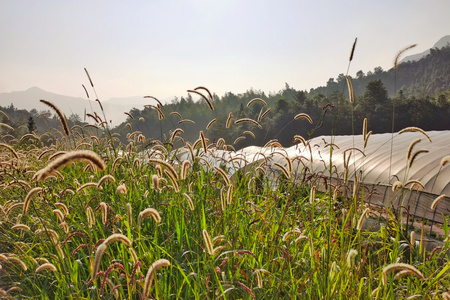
[89, 217]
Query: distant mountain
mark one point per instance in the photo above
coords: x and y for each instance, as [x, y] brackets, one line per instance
[444, 41]
[114, 108]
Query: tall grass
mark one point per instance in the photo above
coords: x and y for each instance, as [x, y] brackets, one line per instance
[154, 222]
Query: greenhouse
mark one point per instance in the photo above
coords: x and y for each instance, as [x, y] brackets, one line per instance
[413, 161]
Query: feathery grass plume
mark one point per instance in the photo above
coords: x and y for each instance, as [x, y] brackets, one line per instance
[64, 226]
[415, 129]
[149, 212]
[283, 169]
[413, 183]
[87, 185]
[223, 199]
[73, 156]
[304, 116]
[286, 237]
[446, 296]
[256, 100]
[29, 196]
[160, 263]
[289, 164]
[186, 121]
[400, 266]
[250, 133]
[155, 182]
[189, 201]
[445, 160]
[46, 266]
[412, 238]
[400, 53]
[208, 243]
[211, 123]
[168, 166]
[350, 89]
[367, 138]
[104, 208]
[239, 139]
[129, 214]
[176, 114]
[184, 169]
[3, 113]
[17, 261]
[411, 146]
[351, 255]
[6, 126]
[10, 149]
[121, 189]
[362, 218]
[437, 200]
[90, 216]
[174, 181]
[248, 120]
[262, 115]
[312, 195]
[203, 140]
[230, 117]
[355, 187]
[224, 175]
[130, 115]
[273, 143]
[21, 227]
[62, 118]
[230, 194]
[299, 138]
[413, 157]
[397, 185]
[174, 134]
[104, 179]
[62, 207]
[364, 128]
[117, 237]
[98, 256]
[353, 50]
[59, 214]
[53, 235]
[208, 101]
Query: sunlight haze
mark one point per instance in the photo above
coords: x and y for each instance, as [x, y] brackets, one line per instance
[163, 48]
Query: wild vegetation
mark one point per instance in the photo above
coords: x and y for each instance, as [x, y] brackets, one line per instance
[86, 215]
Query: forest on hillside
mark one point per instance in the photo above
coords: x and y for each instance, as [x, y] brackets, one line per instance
[416, 94]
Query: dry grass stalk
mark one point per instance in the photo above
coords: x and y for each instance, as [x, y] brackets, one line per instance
[174, 134]
[239, 139]
[283, 169]
[46, 266]
[98, 256]
[168, 166]
[413, 157]
[10, 149]
[364, 128]
[149, 212]
[189, 201]
[160, 263]
[117, 237]
[304, 116]
[350, 89]
[224, 175]
[400, 53]
[410, 148]
[256, 100]
[174, 181]
[177, 114]
[28, 197]
[59, 214]
[90, 216]
[6, 126]
[362, 218]
[211, 123]
[186, 121]
[230, 194]
[248, 120]
[21, 227]
[184, 169]
[208, 101]
[437, 200]
[121, 189]
[263, 115]
[397, 185]
[105, 178]
[104, 208]
[415, 129]
[73, 156]
[62, 118]
[208, 243]
[413, 183]
[353, 50]
[129, 214]
[400, 266]
[250, 133]
[17, 261]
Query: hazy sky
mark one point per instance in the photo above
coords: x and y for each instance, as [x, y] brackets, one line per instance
[164, 47]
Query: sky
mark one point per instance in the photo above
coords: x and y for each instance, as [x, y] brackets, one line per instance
[164, 47]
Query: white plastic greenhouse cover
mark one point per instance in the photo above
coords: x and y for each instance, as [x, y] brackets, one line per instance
[373, 164]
